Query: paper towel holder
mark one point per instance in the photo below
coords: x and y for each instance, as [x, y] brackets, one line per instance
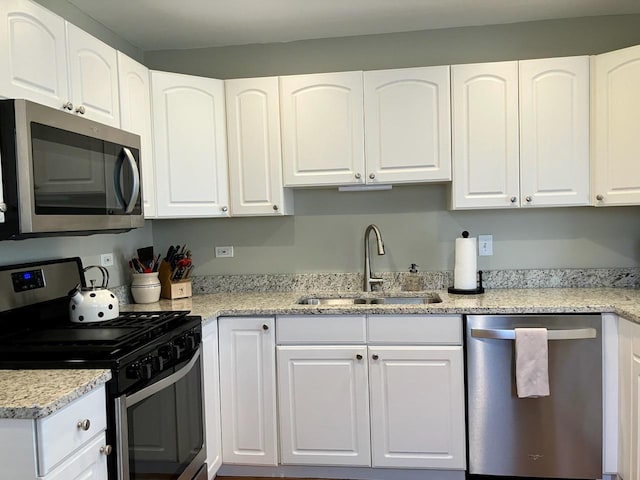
[472, 291]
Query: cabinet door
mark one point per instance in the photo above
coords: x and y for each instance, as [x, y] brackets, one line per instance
[248, 391]
[322, 129]
[616, 117]
[485, 135]
[407, 125]
[93, 77]
[255, 156]
[88, 463]
[417, 407]
[189, 145]
[135, 116]
[33, 55]
[211, 392]
[324, 405]
[554, 132]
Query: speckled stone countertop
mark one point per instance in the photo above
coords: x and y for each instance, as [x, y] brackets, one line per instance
[623, 301]
[32, 394]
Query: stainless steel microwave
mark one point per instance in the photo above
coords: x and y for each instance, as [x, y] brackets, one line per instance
[66, 175]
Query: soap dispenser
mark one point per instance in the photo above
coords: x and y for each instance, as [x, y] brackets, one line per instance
[413, 282]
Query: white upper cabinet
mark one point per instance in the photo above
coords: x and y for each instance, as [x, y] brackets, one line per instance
[616, 123]
[255, 155]
[189, 146]
[135, 116]
[322, 129]
[33, 53]
[554, 131]
[407, 125]
[485, 135]
[49, 61]
[93, 77]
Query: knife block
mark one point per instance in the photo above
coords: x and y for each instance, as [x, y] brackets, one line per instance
[170, 289]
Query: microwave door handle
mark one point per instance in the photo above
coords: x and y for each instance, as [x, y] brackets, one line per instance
[135, 189]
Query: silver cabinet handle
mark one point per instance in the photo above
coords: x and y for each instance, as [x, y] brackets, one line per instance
[372, 176]
[509, 334]
[528, 199]
[599, 197]
[3, 207]
[358, 176]
[513, 199]
[224, 209]
[106, 450]
[81, 110]
[275, 208]
[84, 424]
[67, 106]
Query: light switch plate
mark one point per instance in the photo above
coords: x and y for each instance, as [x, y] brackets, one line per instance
[485, 245]
[224, 252]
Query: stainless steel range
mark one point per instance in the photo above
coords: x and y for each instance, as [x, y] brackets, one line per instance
[154, 400]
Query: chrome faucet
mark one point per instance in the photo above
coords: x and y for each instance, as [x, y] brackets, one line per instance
[369, 279]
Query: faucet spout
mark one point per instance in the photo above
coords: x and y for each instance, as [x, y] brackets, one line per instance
[369, 279]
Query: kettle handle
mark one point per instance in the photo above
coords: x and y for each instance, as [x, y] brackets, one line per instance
[105, 274]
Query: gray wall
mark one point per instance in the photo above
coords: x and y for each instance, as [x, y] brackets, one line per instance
[74, 15]
[555, 38]
[326, 232]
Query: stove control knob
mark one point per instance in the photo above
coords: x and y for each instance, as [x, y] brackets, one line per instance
[177, 348]
[158, 363]
[190, 340]
[146, 370]
[165, 352]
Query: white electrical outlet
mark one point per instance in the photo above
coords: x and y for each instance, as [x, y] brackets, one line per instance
[224, 251]
[485, 245]
[106, 259]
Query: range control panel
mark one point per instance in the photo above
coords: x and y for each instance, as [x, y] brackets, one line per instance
[27, 280]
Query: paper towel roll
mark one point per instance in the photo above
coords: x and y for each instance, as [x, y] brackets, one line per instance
[466, 268]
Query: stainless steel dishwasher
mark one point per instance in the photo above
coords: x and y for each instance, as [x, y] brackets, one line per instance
[559, 436]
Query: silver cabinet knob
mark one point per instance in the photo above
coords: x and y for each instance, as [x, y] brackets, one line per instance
[528, 199]
[359, 357]
[224, 209]
[513, 199]
[599, 197]
[275, 208]
[106, 450]
[3, 207]
[375, 356]
[265, 327]
[84, 424]
[372, 176]
[358, 176]
[81, 110]
[67, 106]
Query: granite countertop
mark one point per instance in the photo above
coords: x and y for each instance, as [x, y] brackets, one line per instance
[33, 394]
[37, 393]
[623, 301]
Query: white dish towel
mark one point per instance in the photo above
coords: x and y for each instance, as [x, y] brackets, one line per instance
[532, 362]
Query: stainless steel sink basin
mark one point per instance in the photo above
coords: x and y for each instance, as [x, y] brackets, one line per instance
[397, 300]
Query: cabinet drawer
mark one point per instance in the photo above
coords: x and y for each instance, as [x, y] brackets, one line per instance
[309, 329]
[89, 462]
[415, 329]
[58, 435]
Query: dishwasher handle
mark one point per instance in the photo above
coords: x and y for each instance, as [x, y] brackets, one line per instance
[510, 334]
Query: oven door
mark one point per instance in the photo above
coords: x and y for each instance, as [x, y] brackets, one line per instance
[160, 427]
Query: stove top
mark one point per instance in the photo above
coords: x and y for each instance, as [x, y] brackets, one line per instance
[100, 340]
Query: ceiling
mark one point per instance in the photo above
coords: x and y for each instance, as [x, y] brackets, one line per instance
[181, 24]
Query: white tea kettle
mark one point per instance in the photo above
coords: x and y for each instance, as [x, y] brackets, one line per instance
[93, 304]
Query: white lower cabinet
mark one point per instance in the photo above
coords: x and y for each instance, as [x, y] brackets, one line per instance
[211, 394]
[68, 444]
[399, 406]
[248, 390]
[629, 412]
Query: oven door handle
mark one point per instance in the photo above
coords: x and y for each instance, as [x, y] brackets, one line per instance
[146, 392]
[509, 334]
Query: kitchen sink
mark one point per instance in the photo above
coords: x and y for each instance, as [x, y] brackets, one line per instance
[383, 300]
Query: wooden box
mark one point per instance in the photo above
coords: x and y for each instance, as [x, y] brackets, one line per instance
[172, 289]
